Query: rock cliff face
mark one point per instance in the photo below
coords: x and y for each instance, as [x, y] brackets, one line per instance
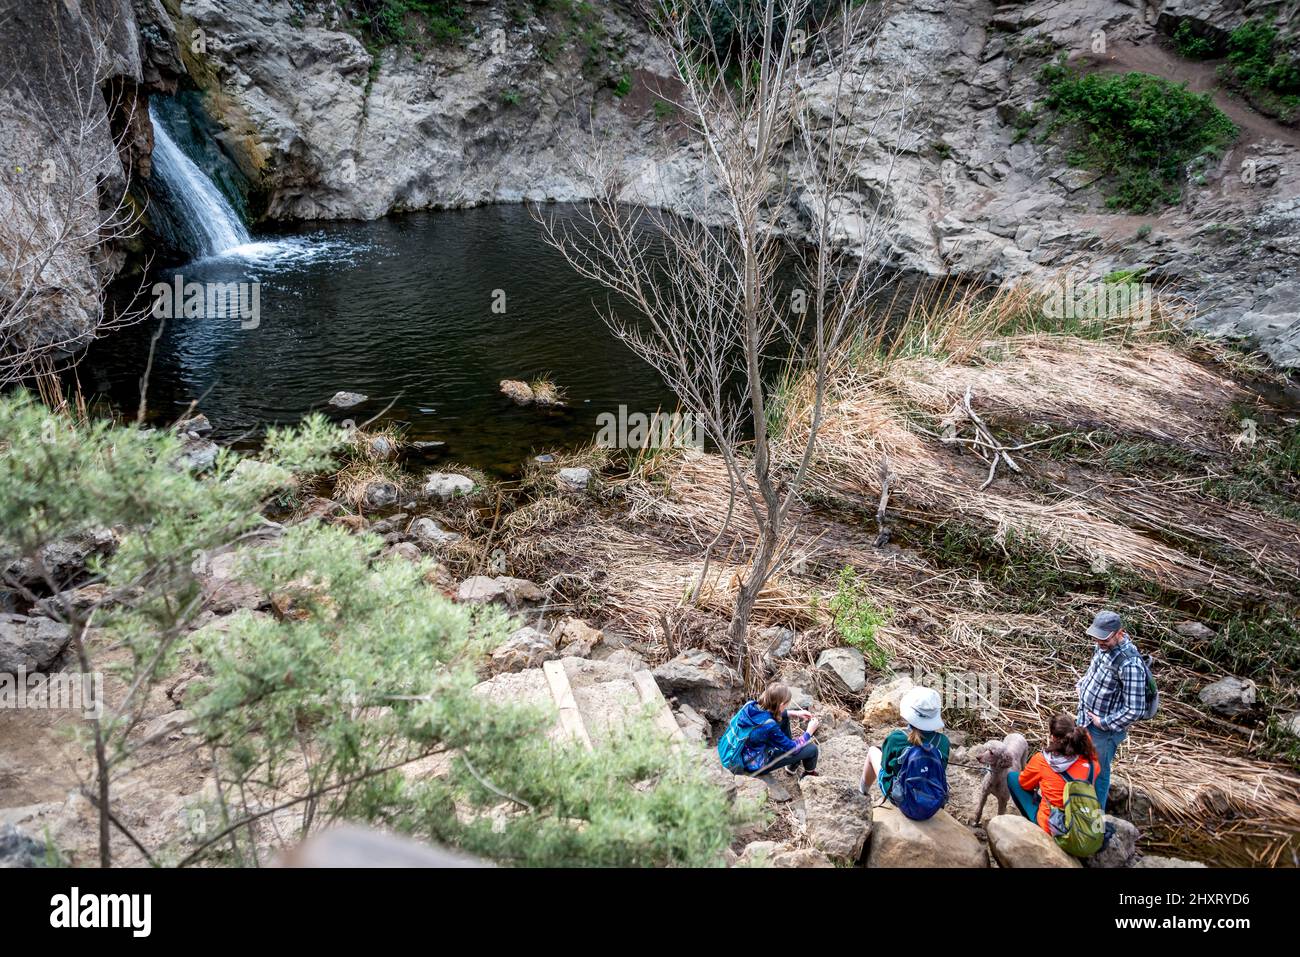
[74, 128]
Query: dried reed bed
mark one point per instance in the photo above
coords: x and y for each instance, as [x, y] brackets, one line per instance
[863, 430]
[1146, 390]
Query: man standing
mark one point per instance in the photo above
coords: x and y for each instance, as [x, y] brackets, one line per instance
[1112, 692]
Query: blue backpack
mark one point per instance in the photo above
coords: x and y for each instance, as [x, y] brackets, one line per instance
[920, 786]
[732, 747]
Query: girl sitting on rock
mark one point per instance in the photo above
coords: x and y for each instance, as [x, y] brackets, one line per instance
[761, 733]
[1040, 786]
[921, 711]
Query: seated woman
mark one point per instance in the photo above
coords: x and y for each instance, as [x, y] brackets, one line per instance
[1040, 786]
[765, 727]
[920, 711]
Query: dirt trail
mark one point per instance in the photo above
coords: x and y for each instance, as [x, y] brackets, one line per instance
[1201, 76]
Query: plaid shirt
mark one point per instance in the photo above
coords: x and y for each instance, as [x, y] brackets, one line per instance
[1113, 688]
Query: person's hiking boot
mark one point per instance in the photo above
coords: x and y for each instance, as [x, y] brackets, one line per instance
[808, 774]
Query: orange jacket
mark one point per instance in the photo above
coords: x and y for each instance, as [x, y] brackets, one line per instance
[1039, 774]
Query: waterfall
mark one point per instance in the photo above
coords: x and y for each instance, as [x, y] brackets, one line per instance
[207, 223]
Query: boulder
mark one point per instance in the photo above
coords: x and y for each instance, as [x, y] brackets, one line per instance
[32, 644]
[1017, 841]
[224, 590]
[503, 589]
[801, 857]
[1156, 860]
[346, 400]
[706, 683]
[575, 637]
[429, 534]
[760, 853]
[198, 454]
[1194, 629]
[837, 815]
[166, 725]
[693, 724]
[63, 559]
[196, 424]
[842, 757]
[381, 493]
[1229, 696]
[844, 668]
[573, 479]
[526, 648]
[447, 485]
[19, 850]
[1291, 723]
[897, 841]
[881, 708]
[1121, 849]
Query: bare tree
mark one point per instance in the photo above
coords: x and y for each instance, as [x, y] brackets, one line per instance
[64, 203]
[787, 123]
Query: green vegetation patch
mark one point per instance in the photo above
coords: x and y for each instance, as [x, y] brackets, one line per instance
[1259, 61]
[408, 22]
[858, 618]
[1141, 132]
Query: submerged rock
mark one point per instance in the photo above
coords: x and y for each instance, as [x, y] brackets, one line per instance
[346, 400]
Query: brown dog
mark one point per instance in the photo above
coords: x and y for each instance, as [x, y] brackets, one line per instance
[1001, 757]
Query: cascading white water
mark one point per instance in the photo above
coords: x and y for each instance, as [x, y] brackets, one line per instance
[209, 222]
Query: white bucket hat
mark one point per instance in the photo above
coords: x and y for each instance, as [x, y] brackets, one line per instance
[920, 708]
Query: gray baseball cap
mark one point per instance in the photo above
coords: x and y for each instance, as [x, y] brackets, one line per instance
[1104, 625]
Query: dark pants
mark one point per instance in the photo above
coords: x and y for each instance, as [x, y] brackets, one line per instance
[1106, 743]
[807, 755]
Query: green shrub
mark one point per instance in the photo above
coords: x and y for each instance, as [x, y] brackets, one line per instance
[1194, 46]
[857, 618]
[389, 21]
[1140, 131]
[1259, 63]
